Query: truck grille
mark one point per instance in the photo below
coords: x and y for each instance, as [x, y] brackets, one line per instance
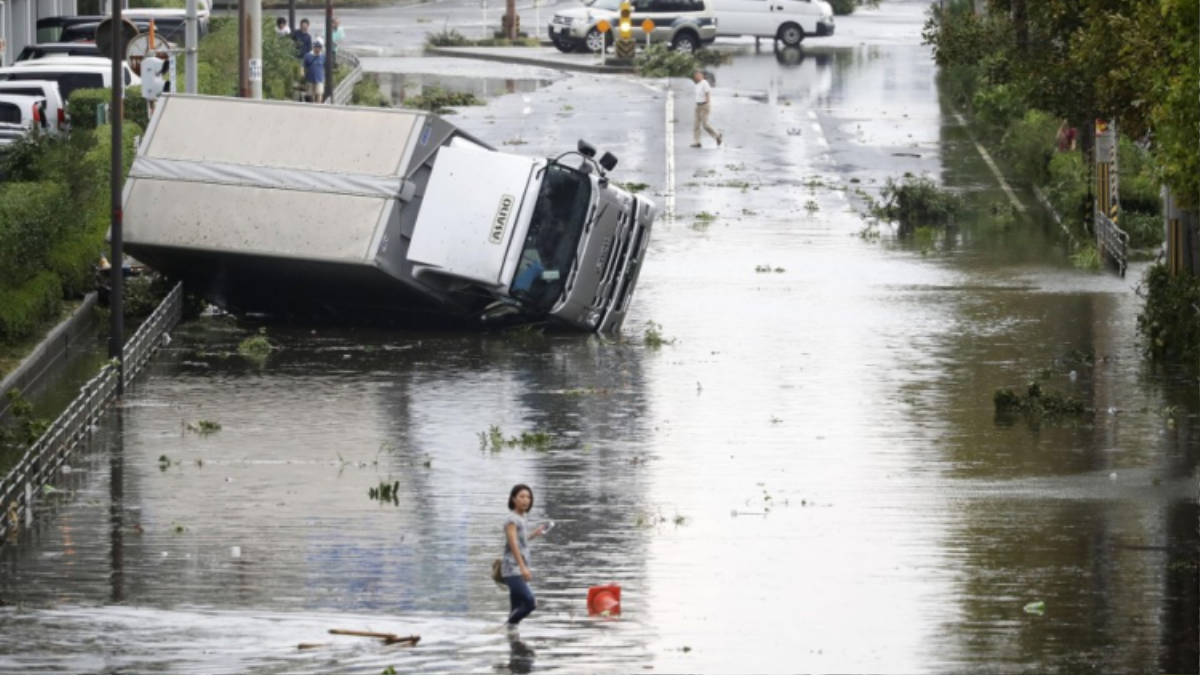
[617, 261]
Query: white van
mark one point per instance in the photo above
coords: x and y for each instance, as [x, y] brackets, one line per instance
[56, 111]
[69, 76]
[789, 21]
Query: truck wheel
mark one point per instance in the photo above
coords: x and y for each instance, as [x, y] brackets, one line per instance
[685, 43]
[594, 41]
[790, 34]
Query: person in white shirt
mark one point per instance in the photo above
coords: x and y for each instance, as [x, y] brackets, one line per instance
[281, 27]
[703, 106]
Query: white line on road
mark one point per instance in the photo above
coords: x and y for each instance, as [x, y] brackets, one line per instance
[669, 197]
[1012, 196]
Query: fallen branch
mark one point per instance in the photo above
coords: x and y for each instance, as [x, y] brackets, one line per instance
[388, 638]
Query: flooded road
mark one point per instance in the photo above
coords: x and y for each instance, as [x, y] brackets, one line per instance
[808, 476]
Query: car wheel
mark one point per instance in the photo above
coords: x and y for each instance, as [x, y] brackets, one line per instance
[790, 34]
[594, 40]
[685, 43]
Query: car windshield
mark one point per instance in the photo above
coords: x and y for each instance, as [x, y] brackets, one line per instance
[611, 5]
[553, 241]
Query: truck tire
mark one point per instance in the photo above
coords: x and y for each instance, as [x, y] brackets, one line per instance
[685, 42]
[790, 34]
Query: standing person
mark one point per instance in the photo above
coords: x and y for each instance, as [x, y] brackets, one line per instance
[703, 106]
[514, 566]
[338, 35]
[303, 40]
[314, 73]
[281, 27]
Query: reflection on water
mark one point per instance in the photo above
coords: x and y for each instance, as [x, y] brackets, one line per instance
[398, 87]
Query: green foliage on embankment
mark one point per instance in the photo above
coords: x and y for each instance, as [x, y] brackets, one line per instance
[54, 213]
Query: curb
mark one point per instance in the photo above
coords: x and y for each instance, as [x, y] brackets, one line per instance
[463, 53]
[58, 346]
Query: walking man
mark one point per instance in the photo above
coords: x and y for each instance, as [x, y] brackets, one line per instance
[703, 106]
[314, 72]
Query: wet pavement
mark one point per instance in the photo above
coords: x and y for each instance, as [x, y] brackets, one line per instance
[809, 476]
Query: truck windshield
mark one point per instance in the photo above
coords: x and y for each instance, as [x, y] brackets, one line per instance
[551, 245]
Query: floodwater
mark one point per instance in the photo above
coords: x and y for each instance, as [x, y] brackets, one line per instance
[809, 476]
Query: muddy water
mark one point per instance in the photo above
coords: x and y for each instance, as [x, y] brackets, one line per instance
[809, 476]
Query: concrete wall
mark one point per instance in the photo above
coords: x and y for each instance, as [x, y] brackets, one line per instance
[55, 350]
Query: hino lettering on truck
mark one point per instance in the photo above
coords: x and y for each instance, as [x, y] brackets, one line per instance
[501, 220]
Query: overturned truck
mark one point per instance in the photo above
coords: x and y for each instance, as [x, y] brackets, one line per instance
[378, 215]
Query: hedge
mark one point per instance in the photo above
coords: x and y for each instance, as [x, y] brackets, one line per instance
[83, 104]
[24, 308]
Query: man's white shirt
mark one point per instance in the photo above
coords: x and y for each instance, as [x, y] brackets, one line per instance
[702, 89]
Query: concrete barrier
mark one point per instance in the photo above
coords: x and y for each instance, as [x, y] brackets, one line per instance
[56, 349]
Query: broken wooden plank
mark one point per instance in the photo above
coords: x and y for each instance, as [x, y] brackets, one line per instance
[388, 638]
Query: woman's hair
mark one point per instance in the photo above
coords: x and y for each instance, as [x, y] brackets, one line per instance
[516, 491]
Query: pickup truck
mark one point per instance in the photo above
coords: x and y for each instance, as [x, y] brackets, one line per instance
[379, 215]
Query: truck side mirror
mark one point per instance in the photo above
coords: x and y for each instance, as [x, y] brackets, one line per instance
[608, 161]
[586, 149]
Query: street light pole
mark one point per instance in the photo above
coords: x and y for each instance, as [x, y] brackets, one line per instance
[116, 117]
[329, 51]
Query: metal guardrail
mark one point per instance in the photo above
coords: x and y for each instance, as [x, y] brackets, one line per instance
[1112, 242]
[344, 90]
[75, 425]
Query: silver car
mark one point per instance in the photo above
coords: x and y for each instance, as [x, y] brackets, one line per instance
[686, 25]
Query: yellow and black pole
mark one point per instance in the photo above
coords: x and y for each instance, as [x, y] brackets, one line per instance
[1108, 203]
[625, 44]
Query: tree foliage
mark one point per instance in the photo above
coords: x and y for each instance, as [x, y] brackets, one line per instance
[1135, 61]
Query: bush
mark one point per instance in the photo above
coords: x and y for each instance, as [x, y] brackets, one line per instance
[439, 100]
[23, 308]
[915, 202]
[659, 60]
[366, 93]
[447, 38]
[30, 223]
[1068, 191]
[1140, 187]
[997, 107]
[1169, 320]
[844, 7]
[1145, 230]
[959, 82]
[1028, 146]
[217, 67]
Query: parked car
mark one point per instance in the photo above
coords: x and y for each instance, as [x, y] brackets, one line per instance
[789, 21]
[56, 109]
[29, 111]
[686, 25]
[33, 52]
[169, 23]
[69, 74]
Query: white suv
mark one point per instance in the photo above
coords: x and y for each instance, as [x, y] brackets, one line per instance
[686, 25]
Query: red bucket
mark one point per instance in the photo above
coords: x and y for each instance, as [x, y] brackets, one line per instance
[604, 600]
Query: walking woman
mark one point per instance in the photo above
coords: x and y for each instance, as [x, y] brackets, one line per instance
[514, 566]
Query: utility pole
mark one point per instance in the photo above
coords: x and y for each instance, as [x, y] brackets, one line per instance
[191, 39]
[243, 85]
[292, 15]
[329, 51]
[116, 117]
[256, 62]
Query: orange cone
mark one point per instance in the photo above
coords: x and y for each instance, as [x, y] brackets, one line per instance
[604, 600]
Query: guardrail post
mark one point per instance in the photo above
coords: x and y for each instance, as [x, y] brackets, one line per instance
[28, 505]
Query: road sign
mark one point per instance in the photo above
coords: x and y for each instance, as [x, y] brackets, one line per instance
[256, 67]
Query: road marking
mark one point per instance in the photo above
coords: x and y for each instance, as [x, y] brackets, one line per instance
[669, 206]
[1012, 196]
